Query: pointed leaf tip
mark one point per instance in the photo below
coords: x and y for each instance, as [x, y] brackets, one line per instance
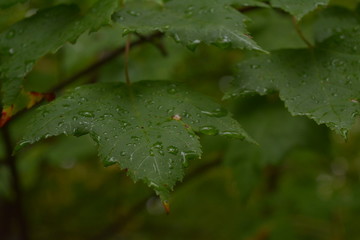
[166, 206]
[204, 20]
[6, 115]
[155, 143]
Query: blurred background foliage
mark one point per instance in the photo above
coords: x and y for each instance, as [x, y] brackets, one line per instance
[300, 182]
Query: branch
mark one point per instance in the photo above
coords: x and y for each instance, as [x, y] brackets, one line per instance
[127, 53]
[15, 184]
[103, 61]
[93, 67]
[120, 223]
[159, 45]
[300, 33]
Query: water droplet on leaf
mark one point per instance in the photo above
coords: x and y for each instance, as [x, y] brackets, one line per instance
[209, 130]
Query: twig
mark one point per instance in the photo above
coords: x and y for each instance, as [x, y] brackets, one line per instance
[15, 184]
[91, 68]
[102, 62]
[160, 46]
[299, 32]
[126, 65]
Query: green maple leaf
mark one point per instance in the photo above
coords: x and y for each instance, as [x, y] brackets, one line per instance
[277, 134]
[148, 127]
[321, 82]
[298, 8]
[30, 39]
[190, 22]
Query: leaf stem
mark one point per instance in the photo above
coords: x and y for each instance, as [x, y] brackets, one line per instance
[91, 68]
[127, 53]
[300, 33]
[160, 46]
[16, 187]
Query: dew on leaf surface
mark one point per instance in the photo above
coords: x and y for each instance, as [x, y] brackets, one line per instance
[209, 130]
[87, 114]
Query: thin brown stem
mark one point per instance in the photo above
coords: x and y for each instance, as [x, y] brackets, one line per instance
[91, 68]
[107, 58]
[16, 187]
[126, 65]
[158, 44]
[300, 33]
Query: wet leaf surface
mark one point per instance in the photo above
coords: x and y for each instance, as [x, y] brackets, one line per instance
[298, 8]
[148, 128]
[321, 83]
[191, 22]
[30, 39]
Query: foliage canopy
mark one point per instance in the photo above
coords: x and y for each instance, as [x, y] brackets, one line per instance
[160, 88]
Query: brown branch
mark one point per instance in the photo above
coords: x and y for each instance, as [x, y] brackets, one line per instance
[91, 68]
[16, 187]
[126, 65]
[103, 61]
[120, 223]
[160, 46]
[300, 33]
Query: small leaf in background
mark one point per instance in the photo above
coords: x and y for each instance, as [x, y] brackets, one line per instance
[277, 134]
[148, 128]
[321, 83]
[298, 8]
[23, 44]
[190, 22]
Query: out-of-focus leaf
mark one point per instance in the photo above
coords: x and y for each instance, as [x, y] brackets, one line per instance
[23, 43]
[268, 24]
[277, 133]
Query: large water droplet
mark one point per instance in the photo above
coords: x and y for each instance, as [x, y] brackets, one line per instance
[151, 153]
[231, 134]
[86, 114]
[133, 13]
[193, 45]
[173, 150]
[223, 42]
[218, 112]
[209, 130]
[45, 113]
[22, 144]
[189, 155]
[172, 89]
[135, 138]
[11, 51]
